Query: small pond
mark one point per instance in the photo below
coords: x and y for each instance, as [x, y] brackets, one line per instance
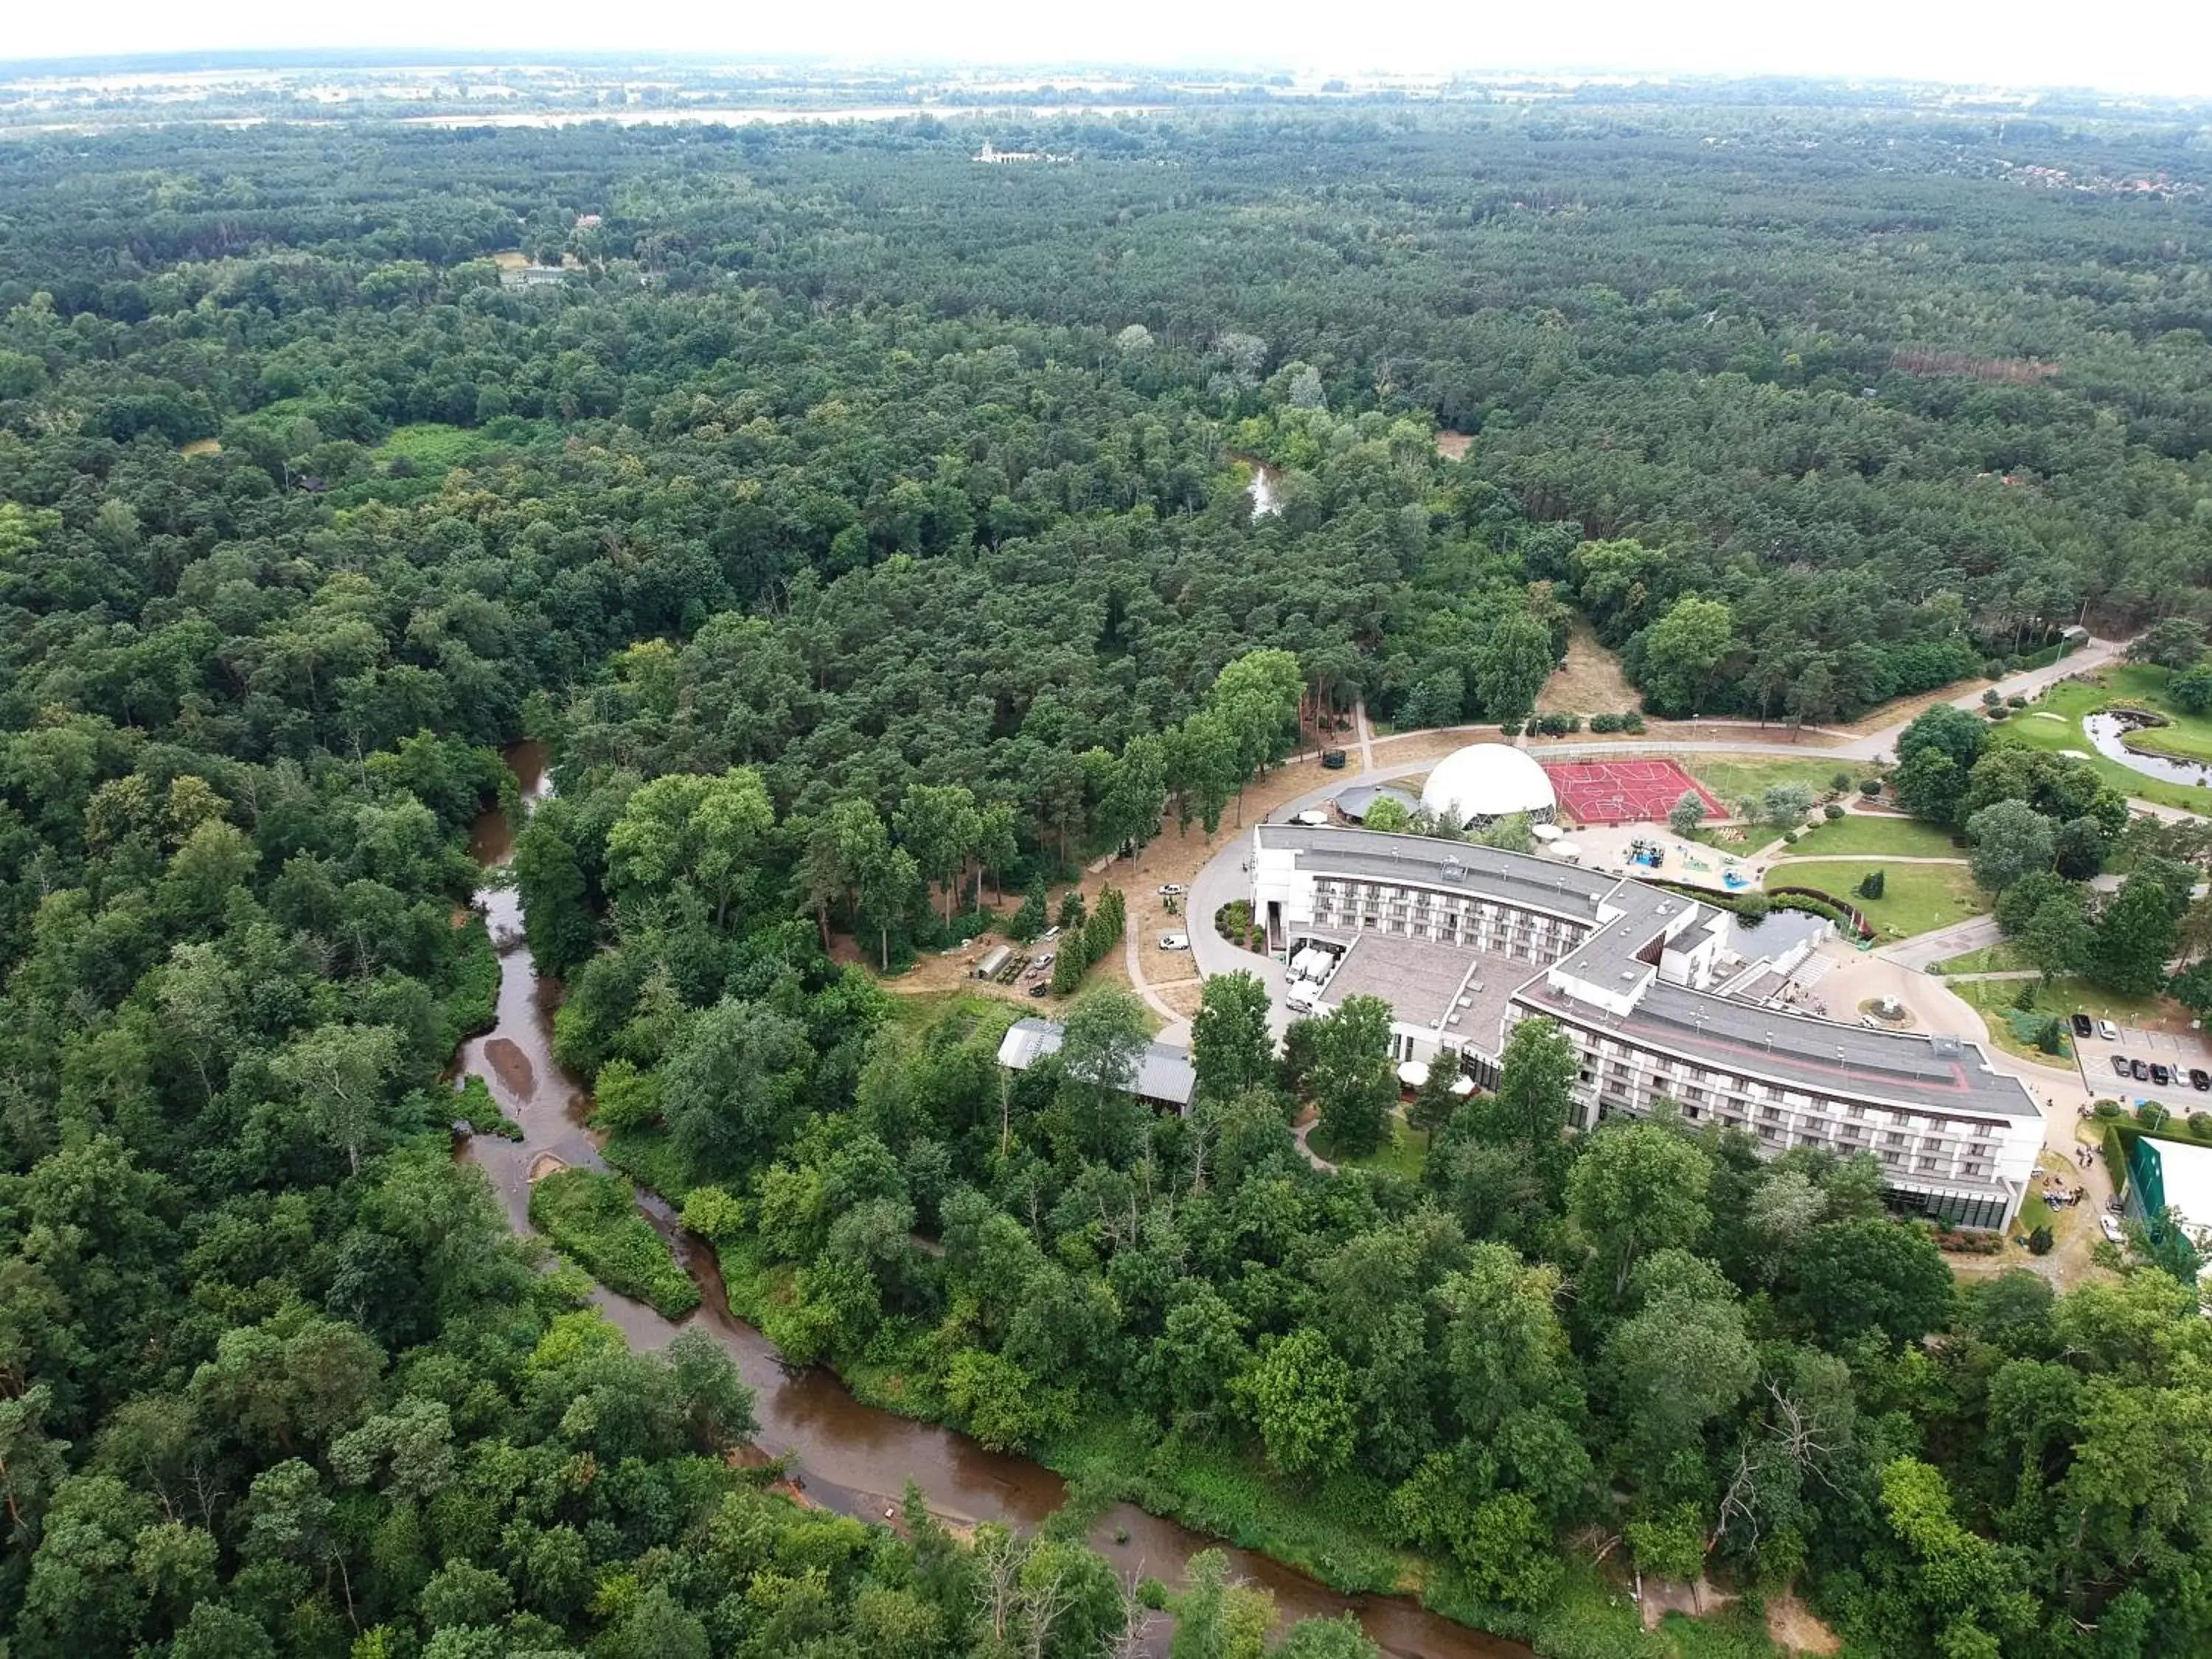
[2107, 733]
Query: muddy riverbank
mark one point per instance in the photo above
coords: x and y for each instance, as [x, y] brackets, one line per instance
[850, 1457]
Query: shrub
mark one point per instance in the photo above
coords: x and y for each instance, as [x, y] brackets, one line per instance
[713, 1213]
[1870, 788]
[1872, 884]
[1067, 967]
[2026, 997]
[2039, 1241]
[1632, 722]
[2107, 1109]
[1993, 669]
[1990, 699]
[1604, 723]
[1841, 782]
[2152, 1116]
[592, 1218]
[2015, 701]
[1999, 712]
[1509, 728]
[1790, 836]
[625, 1098]
[2200, 1124]
[1029, 921]
[1832, 811]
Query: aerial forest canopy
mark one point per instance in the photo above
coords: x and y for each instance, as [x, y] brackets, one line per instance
[866, 531]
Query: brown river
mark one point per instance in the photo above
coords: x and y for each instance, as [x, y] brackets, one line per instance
[850, 1457]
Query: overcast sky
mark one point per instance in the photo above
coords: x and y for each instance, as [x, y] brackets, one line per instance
[2148, 46]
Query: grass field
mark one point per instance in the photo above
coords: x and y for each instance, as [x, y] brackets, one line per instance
[916, 1013]
[1915, 897]
[1407, 1149]
[1872, 834]
[1993, 999]
[433, 446]
[2189, 735]
[1990, 959]
[1732, 777]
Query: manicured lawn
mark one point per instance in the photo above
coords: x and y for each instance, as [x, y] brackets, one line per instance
[1915, 897]
[916, 1011]
[1993, 999]
[2189, 734]
[1732, 777]
[1990, 959]
[1873, 833]
[1402, 1156]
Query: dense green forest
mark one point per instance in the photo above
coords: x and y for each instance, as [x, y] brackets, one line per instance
[867, 532]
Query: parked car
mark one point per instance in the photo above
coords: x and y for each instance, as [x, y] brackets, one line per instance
[1043, 987]
[2159, 1075]
[1313, 817]
[2138, 1070]
[2199, 1078]
[1170, 890]
[1048, 936]
[2113, 1231]
[2081, 1025]
[2107, 1030]
[2120, 1064]
[1332, 759]
[1174, 941]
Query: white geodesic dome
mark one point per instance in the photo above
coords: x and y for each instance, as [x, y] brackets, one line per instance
[1486, 782]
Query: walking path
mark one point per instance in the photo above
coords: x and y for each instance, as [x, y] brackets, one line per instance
[1879, 858]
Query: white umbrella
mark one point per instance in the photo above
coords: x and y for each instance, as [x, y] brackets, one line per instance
[1414, 1073]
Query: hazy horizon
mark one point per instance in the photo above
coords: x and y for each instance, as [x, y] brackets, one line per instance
[2149, 47]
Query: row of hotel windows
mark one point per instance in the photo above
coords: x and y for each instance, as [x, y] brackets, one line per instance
[1526, 935]
[1788, 1117]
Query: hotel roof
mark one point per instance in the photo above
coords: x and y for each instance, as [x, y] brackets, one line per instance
[1921, 1071]
[1538, 883]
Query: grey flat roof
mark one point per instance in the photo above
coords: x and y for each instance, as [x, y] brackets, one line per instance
[1163, 1070]
[1537, 883]
[1423, 981]
[1926, 1073]
[1612, 949]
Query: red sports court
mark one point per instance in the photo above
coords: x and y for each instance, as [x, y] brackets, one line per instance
[1623, 791]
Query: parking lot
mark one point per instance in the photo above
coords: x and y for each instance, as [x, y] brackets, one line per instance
[2179, 1053]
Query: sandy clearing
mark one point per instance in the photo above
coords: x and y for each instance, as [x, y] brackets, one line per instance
[1453, 446]
[1590, 682]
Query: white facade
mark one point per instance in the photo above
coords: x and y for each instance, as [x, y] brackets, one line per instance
[1465, 941]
